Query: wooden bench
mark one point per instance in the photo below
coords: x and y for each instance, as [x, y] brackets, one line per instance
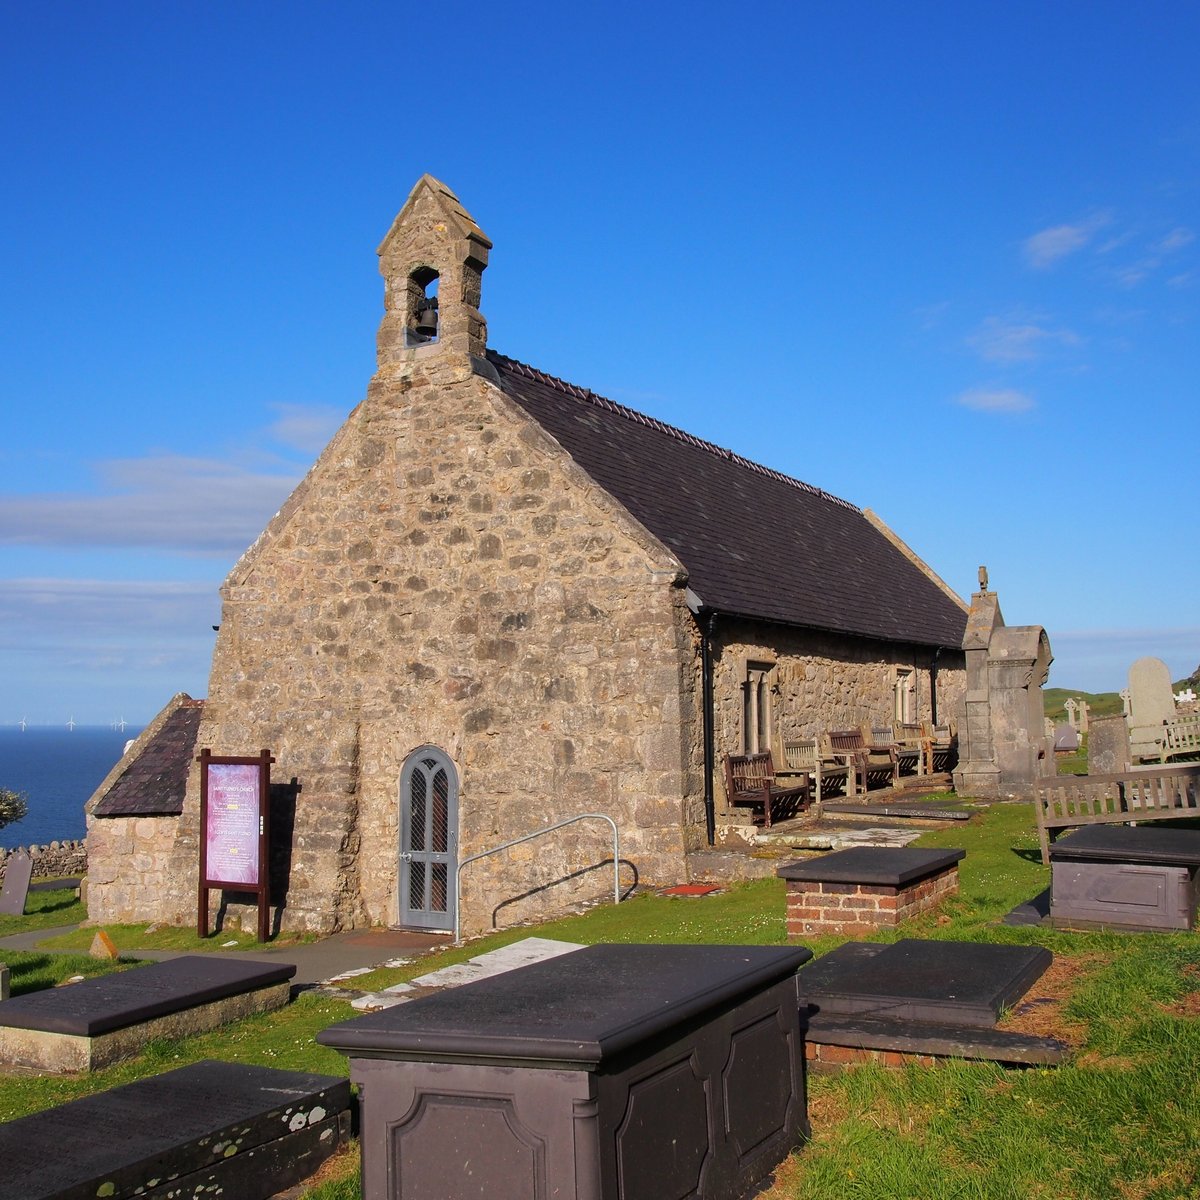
[1180, 739]
[750, 780]
[802, 757]
[865, 758]
[905, 739]
[1067, 801]
[939, 740]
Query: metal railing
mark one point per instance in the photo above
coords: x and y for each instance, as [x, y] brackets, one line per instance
[466, 862]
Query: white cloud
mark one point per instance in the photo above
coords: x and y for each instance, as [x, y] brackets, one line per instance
[165, 501]
[995, 400]
[305, 427]
[1045, 248]
[1176, 240]
[1004, 340]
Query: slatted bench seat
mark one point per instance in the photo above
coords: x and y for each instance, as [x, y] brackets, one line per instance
[865, 759]
[207, 1129]
[750, 780]
[91, 1024]
[1157, 794]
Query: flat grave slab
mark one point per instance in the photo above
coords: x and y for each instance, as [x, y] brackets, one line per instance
[89, 1024]
[951, 983]
[210, 1128]
[13, 894]
[1121, 843]
[911, 809]
[611, 1071]
[877, 866]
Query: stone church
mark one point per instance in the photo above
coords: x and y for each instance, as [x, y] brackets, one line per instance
[497, 601]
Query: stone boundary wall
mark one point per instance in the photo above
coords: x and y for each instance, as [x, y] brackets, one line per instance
[853, 908]
[58, 858]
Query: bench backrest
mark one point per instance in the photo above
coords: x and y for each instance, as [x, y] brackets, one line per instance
[1064, 801]
[844, 740]
[749, 772]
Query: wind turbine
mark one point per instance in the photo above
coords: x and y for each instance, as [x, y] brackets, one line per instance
[23, 722]
[121, 724]
[71, 724]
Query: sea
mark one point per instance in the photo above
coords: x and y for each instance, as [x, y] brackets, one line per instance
[56, 770]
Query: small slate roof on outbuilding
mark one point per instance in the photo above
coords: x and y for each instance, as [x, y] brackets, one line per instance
[153, 784]
[756, 543]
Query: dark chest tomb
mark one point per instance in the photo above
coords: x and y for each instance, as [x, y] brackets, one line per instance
[1137, 878]
[631, 1072]
[211, 1128]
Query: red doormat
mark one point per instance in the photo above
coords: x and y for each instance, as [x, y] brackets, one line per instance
[690, 889]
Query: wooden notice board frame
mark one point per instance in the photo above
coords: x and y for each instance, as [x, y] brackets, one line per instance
[235, 831]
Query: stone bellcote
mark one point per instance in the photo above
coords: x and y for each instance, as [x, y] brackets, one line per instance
[432, 261]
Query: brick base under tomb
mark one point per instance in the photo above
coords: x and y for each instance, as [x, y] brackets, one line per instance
[864, 889]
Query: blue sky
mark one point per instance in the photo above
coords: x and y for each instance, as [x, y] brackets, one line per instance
[939, 259]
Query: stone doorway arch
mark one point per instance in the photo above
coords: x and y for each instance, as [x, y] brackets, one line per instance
[428, 839]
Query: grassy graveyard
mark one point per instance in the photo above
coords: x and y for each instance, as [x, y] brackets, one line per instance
[1120, 1119]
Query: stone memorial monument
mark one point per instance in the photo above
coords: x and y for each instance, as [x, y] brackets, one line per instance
[1083, 716]
[1108, 746]
[1003, 749]
[16, 884]
[1151, 705]
[1072, 709]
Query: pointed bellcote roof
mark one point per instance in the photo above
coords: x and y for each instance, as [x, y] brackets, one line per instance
[432, 261]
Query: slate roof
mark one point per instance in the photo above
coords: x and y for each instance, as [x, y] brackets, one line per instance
[755, 542]
[154, 783]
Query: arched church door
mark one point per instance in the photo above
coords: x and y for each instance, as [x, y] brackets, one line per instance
[428, 839]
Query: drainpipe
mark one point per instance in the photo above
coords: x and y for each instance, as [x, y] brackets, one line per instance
[933, 666]
[707, 620]
[710, 808]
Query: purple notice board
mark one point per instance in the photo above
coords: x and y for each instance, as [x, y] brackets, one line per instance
[231, 824]
[234, 830]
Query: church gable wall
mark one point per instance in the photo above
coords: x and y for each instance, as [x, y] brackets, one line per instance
[448, 577]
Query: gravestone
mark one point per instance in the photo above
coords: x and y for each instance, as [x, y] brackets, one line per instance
[208, 1129]
[1083, 716]
[1151, 703]
[1048, 730]
[16, 884]
[101, 1020]
[954, 983]
[1124, 693]
[3, 981]
[1066, 740]
[1108, 746]
[1072, 708]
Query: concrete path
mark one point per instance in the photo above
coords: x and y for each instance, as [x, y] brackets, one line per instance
[343, 955]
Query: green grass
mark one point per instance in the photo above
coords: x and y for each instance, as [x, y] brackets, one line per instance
[168, 937]
[30, 970]
[45, 910]
[1100, 704]
[1120, 1120]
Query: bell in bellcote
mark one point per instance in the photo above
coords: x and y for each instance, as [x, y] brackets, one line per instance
[425, 320]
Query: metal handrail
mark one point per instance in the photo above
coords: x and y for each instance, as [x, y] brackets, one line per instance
[466, 862]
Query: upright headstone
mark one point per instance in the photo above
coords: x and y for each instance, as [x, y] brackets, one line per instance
[1151, 703]
[1125, 700]
[1072, 707]
[1066, 740]
[1083, 716]
[16, 884]
[1049, 731]
[1108, 746]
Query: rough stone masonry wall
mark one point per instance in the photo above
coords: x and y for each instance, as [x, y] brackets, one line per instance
[129, 871]
[821, 681]
[58, 858]
[446, 576]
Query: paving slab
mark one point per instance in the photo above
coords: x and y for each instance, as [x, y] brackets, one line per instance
[497, 962]
[956, 983]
